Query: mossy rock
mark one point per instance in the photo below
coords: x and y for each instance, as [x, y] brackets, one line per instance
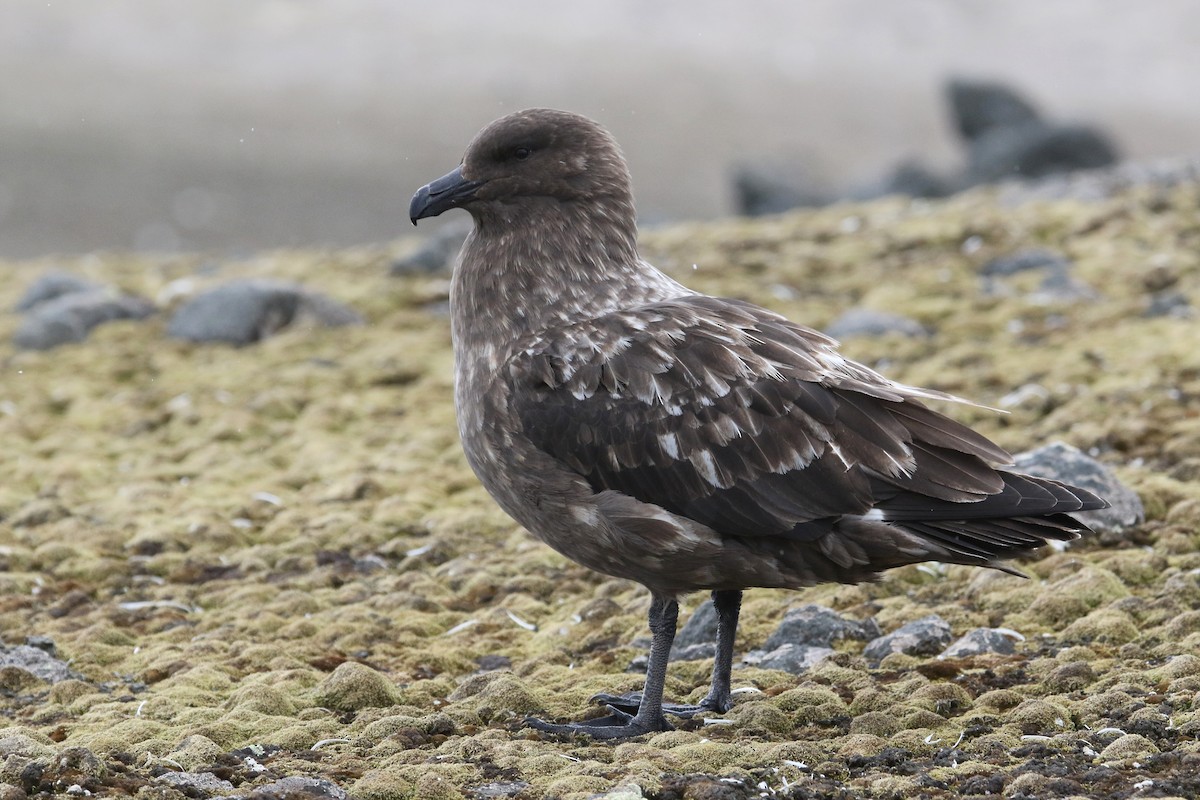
[353, 686]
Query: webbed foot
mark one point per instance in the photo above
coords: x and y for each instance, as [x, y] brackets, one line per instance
[617, 725]
[629, 703]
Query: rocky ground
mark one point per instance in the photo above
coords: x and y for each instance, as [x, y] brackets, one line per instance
[267, 571]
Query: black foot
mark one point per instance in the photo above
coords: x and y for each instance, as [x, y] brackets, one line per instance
[617, 725]
[629, 704]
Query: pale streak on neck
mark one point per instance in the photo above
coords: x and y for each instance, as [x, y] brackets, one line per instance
[555, 264]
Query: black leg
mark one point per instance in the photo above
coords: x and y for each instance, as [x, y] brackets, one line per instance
[620, 724]
[728, 604]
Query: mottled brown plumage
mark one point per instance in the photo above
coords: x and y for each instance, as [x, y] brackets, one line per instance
[683, 441]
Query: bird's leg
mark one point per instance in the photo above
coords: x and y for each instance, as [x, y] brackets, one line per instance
[728, 604]
[648, 709]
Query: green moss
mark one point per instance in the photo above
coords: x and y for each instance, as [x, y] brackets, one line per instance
[876, 723]
[497, 692]
[942, 698]
[1105, 625]
[196, 751]
[863, 744]
[353, 686]
[14, 741]
[1127, 748]
[761, 718]
[1070, 677]
[382, 784]
[1040, 717]
[812, 704]
[304, 503]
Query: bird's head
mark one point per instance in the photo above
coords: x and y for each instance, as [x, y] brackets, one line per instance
[539, 155]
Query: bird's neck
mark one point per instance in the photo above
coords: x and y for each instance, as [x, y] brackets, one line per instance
[552, 265]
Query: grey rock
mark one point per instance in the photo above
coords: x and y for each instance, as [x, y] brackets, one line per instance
[43, 643]
[696, 640]
[498, 789]
[436, 253]
[1025, 260]
[980, 106]
[52, 285]
[915, 180]
[819, 626]
[492, 662]
[923, 637]
[980, 640]
[692, 652]
[771, 188]
[1059, 286]
[1033, 396]
[1100, 184]
[299, 787]
[242, 312]
[81, 760]
[1062, 462]
[1169, 304]
[701, 627]
[794, 658]
[1035, 150]
[35, 661]
[71, 317]
[628, 791]
[869, 322]
[195, 782]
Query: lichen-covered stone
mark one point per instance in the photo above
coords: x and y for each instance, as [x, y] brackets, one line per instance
[13, 742]
[298, 787]
[196, 782]
[242, 312]
[72, 316]
[794, 658]
[51, 285]
[925, 636]
[1063, 462]
[980, 640]
[817, 625]
[871, 322]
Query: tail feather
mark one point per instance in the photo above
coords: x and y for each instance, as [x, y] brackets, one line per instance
[1021, 496]
[1023, 516]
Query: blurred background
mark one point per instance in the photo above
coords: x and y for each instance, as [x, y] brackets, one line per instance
[232, 125]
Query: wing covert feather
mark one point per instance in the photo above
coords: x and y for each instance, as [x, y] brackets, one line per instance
[736, 418]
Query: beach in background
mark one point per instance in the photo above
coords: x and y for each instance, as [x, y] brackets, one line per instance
[228, 126]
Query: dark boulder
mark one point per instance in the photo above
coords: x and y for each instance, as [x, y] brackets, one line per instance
[245, 311]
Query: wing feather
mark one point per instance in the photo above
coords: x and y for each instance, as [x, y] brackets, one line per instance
[738, 419]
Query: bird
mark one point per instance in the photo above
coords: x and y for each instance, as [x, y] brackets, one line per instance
[683, 441]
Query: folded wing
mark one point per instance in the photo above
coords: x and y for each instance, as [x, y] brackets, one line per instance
[732, 416]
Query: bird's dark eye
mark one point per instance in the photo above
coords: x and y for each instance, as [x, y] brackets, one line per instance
[522, 153]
